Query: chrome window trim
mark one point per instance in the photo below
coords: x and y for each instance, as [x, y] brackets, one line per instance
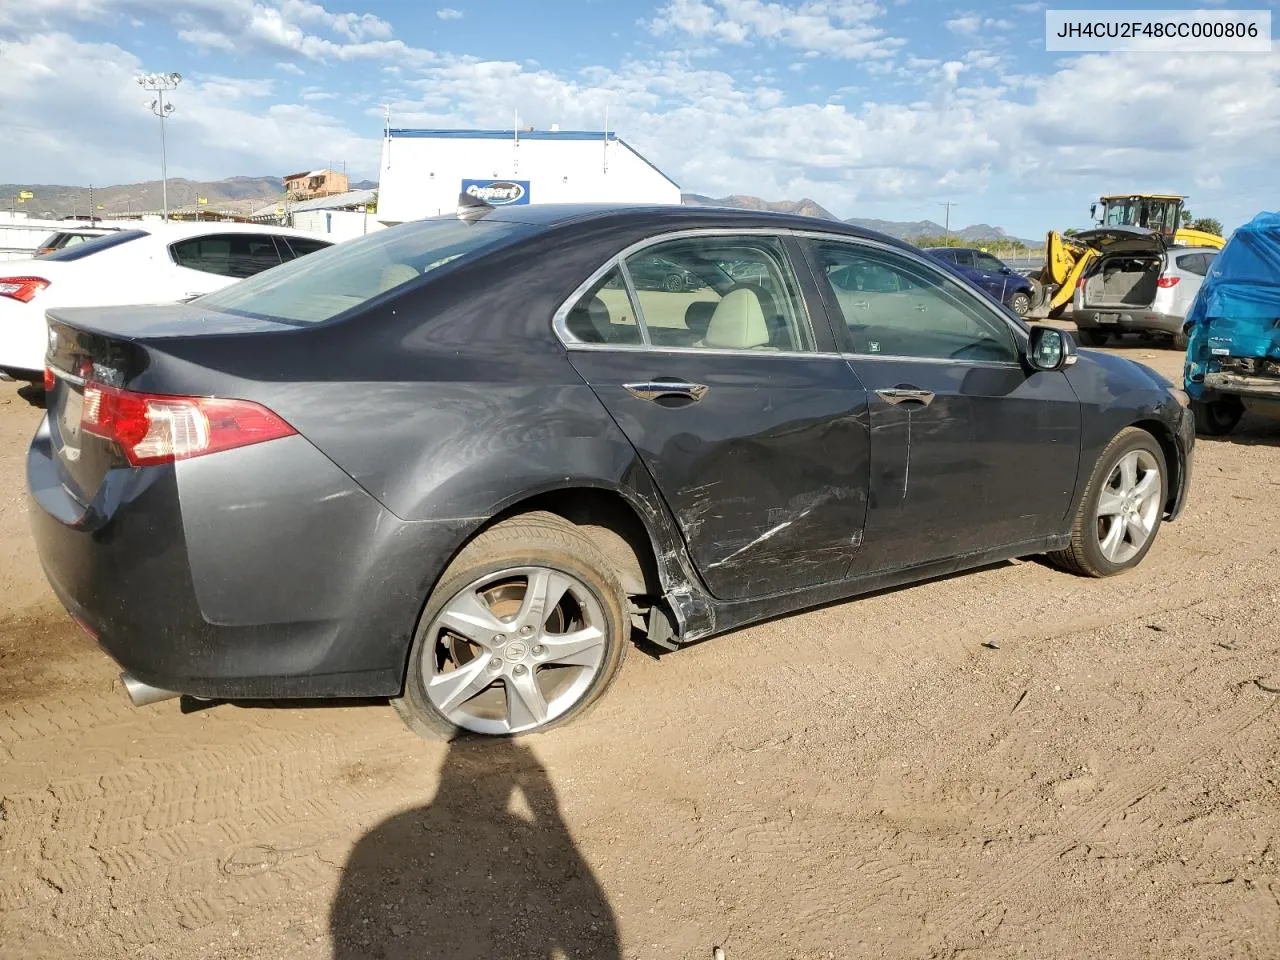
[1013, 328]
[559, 319]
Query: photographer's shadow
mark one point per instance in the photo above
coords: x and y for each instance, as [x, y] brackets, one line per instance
[486, 870]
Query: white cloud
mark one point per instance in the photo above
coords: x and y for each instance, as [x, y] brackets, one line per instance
[1036, 7]
[836, 28]
[233, 26]
[972, 23]
[448, 13]
[89, 89]
[291, 68]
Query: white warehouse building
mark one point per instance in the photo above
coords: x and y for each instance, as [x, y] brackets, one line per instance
[424, 171]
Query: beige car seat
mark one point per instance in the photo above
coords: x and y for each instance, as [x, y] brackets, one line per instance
[396, 274]
[738, 323]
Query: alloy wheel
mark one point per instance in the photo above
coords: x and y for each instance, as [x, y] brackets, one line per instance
[514, 650]
[1129, 506]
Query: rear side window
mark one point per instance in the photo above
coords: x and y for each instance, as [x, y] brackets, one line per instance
[78, 251]
[604, 314]
[330, 282]
[236, 255]
[1197, 263]
[300, 246]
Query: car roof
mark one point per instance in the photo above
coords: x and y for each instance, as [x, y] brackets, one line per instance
[668, 216]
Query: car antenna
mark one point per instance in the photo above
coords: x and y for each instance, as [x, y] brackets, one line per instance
[471, 207]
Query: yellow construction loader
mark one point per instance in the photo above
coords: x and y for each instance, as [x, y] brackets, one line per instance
[1066, 258]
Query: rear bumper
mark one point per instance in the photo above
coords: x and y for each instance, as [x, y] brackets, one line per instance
[261, 572]
[1126, 319]
[1243, 386]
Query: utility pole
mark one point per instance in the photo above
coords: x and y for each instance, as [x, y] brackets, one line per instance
[161, 83]
[948, 205]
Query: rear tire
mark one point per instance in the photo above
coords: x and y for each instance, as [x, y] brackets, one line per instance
[535, 673]
[1180, 341]
[1131, 472]
[1091, 337]
[1217, 418]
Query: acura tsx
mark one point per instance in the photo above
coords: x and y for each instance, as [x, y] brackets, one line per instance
[460, 462]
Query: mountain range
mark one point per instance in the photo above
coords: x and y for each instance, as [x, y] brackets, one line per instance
[236, 194]
[902, 229]
[243, 194]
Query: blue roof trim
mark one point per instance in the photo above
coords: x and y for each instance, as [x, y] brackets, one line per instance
[650, 163]
[501, 134]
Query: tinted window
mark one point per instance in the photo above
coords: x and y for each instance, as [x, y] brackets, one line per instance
[97, 244]
[329, 282]
[604, 314]
[987, 262]
[722, 293]
[227, 254]
[944, 254]
[911, 310]
[301, 246]
[1197, 263]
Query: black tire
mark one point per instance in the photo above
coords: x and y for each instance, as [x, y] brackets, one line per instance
[1217, 418]
[674, 283]
[1020, 304]
[533, 539]
[1091, 337]
[1180, 341]
[1083, 556]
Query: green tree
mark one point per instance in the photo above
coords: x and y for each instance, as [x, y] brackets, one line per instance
[1208, 225]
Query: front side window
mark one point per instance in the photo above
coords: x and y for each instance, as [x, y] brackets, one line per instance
[236, 255]
[720, 293]
[330, 282]
[988, 263]
[907, 309]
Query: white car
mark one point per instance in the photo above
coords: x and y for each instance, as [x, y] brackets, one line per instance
[149, 263]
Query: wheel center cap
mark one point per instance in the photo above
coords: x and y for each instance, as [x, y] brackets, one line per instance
[516, 650]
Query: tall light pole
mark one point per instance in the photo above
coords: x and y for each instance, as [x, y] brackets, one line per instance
[948, 204]
[160, 84]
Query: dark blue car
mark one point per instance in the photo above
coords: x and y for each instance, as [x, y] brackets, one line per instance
[1002, 282]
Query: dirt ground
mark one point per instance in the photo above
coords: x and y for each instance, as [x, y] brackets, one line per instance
[1011, 763]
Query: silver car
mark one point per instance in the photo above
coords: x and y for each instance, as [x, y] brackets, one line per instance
[1140, 284]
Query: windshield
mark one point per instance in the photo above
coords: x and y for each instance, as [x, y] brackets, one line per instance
[76, 251]
[330, 282]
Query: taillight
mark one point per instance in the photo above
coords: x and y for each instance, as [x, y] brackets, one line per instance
[48, 380]
[1164, 283]
[22, 288]
[157, 428]
[1080, 283]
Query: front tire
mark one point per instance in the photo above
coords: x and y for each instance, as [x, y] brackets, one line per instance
[1217, 418]
[525, 630]
[1120, 513]
[1020, 304]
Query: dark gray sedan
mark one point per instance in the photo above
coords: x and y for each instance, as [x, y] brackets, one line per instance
[457, 462]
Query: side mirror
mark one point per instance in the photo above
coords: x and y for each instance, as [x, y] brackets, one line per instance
[1005, 269]
[1049, 348]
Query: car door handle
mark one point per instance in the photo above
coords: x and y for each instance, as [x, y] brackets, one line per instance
[656, 389]
[906, 395]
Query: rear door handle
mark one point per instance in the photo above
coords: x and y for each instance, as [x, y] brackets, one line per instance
[906, 395]
[656, 389]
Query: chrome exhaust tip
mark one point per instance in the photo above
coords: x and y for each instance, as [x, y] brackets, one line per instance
[143, 694]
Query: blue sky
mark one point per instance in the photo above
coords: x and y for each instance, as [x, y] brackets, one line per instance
[876, 108]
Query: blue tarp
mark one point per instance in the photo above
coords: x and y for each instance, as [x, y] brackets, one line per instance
[1237, 311]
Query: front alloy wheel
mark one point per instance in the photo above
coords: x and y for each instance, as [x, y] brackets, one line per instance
[525, 630]
[1117, 518]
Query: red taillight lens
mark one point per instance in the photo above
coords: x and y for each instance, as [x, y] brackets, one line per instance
[156, 428]
[1164, 283]
[1080, 283]
[48, 379]
[22, 288]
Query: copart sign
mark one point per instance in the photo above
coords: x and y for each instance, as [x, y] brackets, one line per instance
[499, 193]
